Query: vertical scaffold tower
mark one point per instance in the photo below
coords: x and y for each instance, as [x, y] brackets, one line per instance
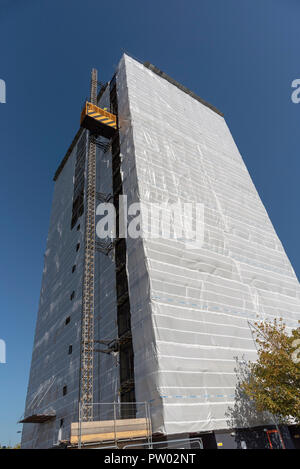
[87, 321]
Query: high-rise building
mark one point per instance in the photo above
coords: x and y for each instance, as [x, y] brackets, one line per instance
[173, 318]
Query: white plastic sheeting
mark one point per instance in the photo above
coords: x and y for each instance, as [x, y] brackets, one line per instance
[52, 367]
[190, 309]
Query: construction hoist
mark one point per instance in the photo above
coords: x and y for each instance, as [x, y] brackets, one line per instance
[98, 122]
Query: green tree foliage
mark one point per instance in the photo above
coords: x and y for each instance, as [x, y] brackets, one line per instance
[274, 380]
[17, 446]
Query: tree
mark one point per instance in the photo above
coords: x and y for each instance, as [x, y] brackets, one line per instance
[274, 380]
[17, 446]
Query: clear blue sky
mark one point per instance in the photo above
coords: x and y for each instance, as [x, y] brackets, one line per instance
[240, 56]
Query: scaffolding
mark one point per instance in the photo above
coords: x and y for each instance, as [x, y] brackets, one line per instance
[109, 427]
[99, 123]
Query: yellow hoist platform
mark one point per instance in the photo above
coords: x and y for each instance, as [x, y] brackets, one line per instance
[98, 120]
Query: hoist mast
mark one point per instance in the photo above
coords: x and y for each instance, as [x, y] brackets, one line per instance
[99, 123]
[87, 319]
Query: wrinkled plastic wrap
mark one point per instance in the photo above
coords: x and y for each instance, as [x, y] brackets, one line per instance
[190, 308]
[52, 367]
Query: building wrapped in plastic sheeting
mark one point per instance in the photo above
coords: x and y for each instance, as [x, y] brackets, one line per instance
[190, 305]
[191, 308]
